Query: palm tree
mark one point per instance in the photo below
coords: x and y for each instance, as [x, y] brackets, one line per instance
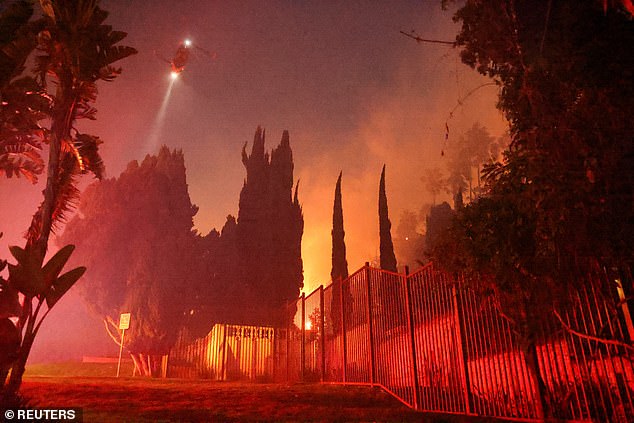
[76, 49]
[22, 103]
[435, 183]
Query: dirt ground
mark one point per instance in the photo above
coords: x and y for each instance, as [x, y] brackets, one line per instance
[107, 399]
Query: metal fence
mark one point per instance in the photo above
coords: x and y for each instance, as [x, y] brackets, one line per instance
[228, 352]
[438, 345]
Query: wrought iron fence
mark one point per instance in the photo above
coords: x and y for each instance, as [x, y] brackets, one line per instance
[438, 344]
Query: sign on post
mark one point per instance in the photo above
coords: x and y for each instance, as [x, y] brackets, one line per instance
[124, 323]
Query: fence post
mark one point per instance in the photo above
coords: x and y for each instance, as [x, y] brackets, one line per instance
[276, 350]
[625, 309]
[461, 350]
[412, 334]
[164, 364]
[288, 340]
[370, 328]
[223, 367]
[343, 329]
[322, 329]
[303, 338]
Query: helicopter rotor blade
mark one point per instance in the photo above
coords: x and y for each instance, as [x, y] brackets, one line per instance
[158, 56]
[207, 52]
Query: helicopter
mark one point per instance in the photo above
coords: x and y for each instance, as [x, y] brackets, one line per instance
[182, 56]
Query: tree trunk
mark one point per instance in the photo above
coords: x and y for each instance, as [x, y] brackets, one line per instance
[137, 365]
[60, 128]
[17, 371]
[532, 364]
[145, 363]
[148, 365]
[470, 188]
[3, 376]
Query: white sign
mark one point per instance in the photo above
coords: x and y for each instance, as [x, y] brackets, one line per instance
[124, 321]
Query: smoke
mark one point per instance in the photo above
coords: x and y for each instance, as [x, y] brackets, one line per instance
[404, 128]
[353, 92]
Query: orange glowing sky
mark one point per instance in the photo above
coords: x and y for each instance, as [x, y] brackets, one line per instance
[353, 92]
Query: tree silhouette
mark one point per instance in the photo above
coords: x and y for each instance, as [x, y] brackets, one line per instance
[339, 271]
[435, 183]
[269, 231]
[75, 50]
[146, 252]
[23, 103]
[438, 221]
[387, 257]
[558, 204]
[339, 263]
[466, 154]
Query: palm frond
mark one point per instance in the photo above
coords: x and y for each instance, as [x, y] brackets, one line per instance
[108, 73]
[23, 105]
[86, 92]
[16, 40]
[98, 17]
[66, 199]
[79, 13]
[20, 134]
[21, 158]
[87, 147]
[116, 53]
[84, 111]
[16, 15]
[115, 36]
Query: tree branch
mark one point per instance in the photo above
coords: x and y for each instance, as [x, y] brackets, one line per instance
[109, 322]
[418, 39]
[591, 337]
[547, 20]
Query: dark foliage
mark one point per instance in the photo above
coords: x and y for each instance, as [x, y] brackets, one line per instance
[254, 266]
[135, 235]
[561, 202]
[438, 221]
[568, 91]
[269, 231]
[339, 263]
[387, 257]
[339, 270]
[75, 49]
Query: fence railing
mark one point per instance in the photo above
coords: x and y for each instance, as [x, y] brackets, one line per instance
[228, 352]
[439, 344]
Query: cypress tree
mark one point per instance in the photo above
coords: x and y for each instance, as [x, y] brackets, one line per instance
[268, 232]
[339, 263]
[339, 270]
[387, 257]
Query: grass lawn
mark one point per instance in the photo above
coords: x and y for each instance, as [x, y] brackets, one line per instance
[77, 369]
[127, 399]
